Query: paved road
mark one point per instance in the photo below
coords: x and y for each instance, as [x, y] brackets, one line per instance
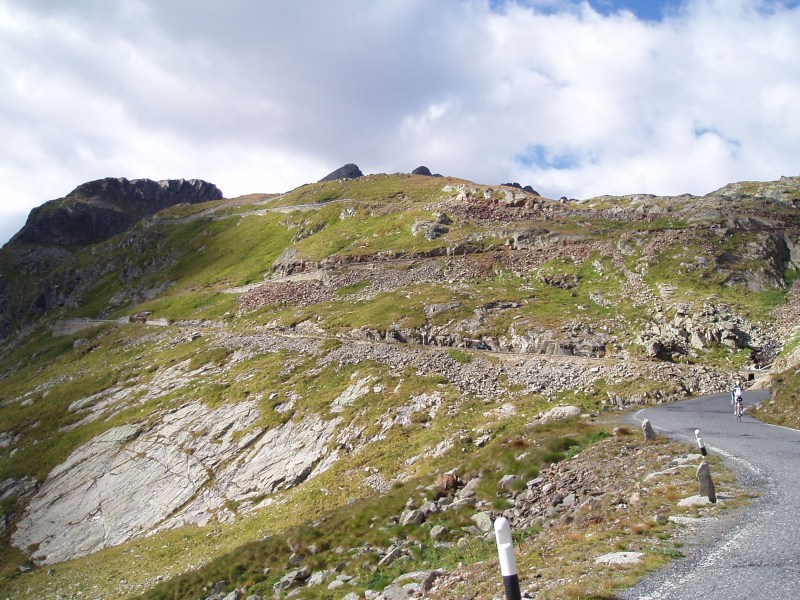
[756, 556]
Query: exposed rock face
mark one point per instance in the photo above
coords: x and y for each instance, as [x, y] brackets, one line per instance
[132, 481]
[432, 229]
[93, 212]
[348, 171]
[422, 170]
[691, 331]
[526, 188]
[100, 209]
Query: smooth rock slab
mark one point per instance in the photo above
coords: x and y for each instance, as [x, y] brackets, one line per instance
[132, 481]
[620, 558]
[694, 501]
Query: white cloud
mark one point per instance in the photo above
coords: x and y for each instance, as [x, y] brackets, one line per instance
[262, 97]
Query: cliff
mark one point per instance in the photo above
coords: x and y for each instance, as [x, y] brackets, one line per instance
[98, 210]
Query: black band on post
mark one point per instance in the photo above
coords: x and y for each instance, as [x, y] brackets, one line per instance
[511, 583]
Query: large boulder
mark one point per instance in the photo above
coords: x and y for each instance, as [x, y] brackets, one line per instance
[348, 171]
[98, 210]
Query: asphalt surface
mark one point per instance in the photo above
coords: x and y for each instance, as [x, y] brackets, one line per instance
[754, 553]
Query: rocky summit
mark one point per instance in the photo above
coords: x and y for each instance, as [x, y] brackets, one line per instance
[334, 391]
[348, 171]
[98, 210]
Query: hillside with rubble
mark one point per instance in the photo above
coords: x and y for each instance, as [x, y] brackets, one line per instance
[242, 377]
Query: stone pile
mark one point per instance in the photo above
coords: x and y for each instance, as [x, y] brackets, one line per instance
[323, 280]
[290, 293]
[532, 374]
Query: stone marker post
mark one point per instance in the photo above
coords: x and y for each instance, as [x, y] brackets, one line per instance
[508, 563]
[700, 443]
[706, 483]
[647, 429]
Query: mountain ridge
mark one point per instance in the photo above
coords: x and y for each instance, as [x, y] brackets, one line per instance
[359, 334]
[99, 209]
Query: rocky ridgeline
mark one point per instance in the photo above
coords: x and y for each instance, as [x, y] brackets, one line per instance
[98, 210]
[43, 250]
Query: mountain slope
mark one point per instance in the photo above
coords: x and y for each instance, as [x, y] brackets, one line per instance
[353, 335]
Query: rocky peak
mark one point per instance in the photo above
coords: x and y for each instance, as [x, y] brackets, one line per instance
[97, 210]
[348, 171]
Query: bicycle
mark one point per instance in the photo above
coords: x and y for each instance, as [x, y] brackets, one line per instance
[738, 410]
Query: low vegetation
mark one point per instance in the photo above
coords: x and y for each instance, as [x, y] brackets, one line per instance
[783, 406]
[500, 272]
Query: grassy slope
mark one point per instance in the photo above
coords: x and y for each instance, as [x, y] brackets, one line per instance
[370, 216]
[783, 406]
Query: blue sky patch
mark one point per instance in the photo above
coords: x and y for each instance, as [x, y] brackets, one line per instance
[645, 10]
[733, 144]
[540, 157]
[651, 10]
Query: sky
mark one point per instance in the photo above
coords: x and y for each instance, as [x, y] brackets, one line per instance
[575, 98]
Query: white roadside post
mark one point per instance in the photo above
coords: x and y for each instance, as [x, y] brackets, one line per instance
[700, 442]
[508, 563]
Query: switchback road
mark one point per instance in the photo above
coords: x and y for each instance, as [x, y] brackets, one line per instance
[757, 555]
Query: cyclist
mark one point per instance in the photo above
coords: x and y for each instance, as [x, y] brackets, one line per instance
[736, 399]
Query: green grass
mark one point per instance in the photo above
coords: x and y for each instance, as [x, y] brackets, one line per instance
[242, 250]
[378, 190]
[381, 312]
[783, 405]
[460, 356]
[703, 270]
[191, 305]
[324, 233]
[596, 296]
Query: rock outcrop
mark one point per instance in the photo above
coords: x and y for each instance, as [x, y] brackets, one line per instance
[348, 171]
[98, 210]
[133, 481]
[526, 188]
[692, 331]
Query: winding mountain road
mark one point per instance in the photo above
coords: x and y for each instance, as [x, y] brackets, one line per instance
[758, 555]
